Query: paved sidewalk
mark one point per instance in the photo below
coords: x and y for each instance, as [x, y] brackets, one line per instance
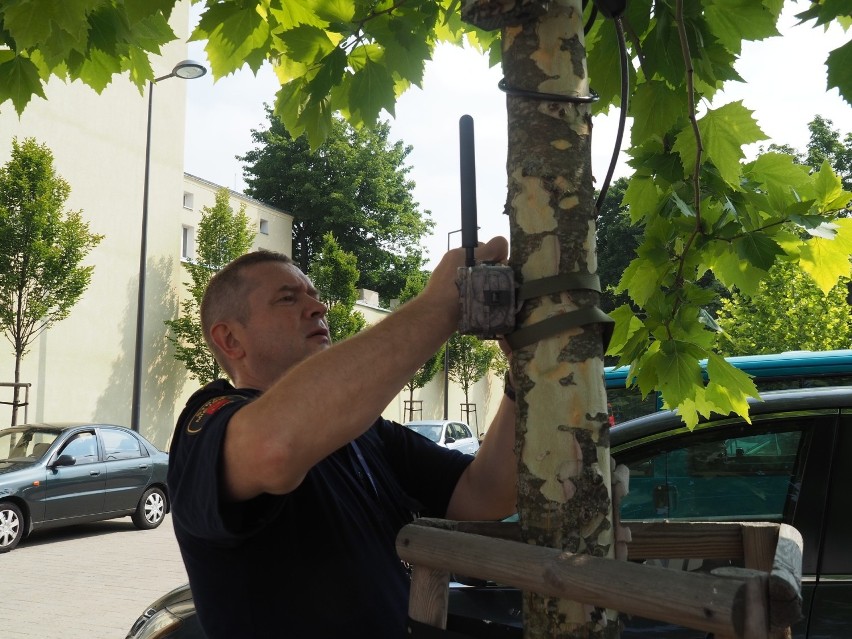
[86, 582]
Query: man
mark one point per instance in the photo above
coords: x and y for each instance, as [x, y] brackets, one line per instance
[287, 488]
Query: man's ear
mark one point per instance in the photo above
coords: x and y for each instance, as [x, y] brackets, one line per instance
[226, 341]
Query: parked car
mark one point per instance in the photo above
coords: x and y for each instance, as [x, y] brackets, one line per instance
[447, 433]
[789, 465]
[59, 474]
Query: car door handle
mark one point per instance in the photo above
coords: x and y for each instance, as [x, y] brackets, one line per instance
[94, 473]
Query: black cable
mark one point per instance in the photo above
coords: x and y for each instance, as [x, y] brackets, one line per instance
[622, 47]
[548, 97]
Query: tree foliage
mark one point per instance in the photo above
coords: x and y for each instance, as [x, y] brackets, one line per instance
[223, 235]
[42, 248]
[701, 207]
[787, 313]
[334, 272]
[355, 186]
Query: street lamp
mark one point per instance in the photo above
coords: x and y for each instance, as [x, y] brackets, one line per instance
[186, 70]
[447, 355]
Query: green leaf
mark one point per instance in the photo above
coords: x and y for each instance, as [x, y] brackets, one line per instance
[291, 14]
[724, 131]
[242, 37]
[333, 10]
[152, 32]
[735, 272]
[829, 189]
[330, 73]
[655, 107]
[758, 249]
[371, 91]
[138, 10]
[626, 325]
[678, 370]
[641, 279]
[827, 260]
[777, 170]
[839, 63]
[98, 69]
[641, 198]
[728, 386]
[733, 21]
[307, 44]
[19, 80]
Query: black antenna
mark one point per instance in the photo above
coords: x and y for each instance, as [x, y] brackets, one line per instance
[468, 188]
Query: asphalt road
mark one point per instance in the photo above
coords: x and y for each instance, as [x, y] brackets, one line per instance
[86, 582]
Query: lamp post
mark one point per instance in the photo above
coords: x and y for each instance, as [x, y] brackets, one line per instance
[186, 70]
[447, 355]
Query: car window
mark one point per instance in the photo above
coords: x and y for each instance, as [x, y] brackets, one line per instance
[736, 473]
[120, 444]
[15, 444]
[464, 430]
[83, 447]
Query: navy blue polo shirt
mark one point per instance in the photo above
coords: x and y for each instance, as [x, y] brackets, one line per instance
[319, 562]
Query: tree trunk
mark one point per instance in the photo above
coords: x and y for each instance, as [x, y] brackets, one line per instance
[562, 428]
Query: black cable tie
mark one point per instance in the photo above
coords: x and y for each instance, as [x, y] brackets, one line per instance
[547, 97]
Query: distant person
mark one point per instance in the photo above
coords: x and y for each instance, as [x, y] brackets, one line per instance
[288, 489]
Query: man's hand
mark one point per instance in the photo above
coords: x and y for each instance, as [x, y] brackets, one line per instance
[441, 288]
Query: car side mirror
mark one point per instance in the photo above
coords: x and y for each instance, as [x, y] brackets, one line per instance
[64, 460]
[449, 440]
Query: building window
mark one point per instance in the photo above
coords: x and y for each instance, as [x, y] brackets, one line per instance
[187, 200]
[187, 243]
[264, 226]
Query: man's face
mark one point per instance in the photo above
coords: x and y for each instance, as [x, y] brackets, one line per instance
[286, 321]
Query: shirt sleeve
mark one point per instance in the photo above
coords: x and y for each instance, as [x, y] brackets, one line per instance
[194, 477]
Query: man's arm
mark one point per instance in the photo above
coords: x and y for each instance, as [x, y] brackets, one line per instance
[332, 397]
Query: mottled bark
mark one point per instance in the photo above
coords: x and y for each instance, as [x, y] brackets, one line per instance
[562, 429]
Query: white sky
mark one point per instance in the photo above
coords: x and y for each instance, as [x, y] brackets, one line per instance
[785, 87]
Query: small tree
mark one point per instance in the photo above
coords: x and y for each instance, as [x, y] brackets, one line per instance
[41, 248]
[788, 312]
[335, 272]
[223, 235]
[470, 360]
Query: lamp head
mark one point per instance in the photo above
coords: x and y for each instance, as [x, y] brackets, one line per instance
[189, 70]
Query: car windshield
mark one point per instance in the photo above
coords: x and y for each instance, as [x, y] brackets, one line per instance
[430, 431]
[19, 444]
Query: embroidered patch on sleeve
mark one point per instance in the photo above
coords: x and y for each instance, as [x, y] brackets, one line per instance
[207, 410]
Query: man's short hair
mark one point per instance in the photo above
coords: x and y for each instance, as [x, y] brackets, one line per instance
[226, 295]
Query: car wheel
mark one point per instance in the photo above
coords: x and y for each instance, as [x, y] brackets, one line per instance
[151, 509]
[11, 526]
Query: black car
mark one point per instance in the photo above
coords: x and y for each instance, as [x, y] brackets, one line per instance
[789, 465]
[54, 475]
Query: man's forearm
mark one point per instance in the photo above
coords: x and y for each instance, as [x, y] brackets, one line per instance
[488, 488]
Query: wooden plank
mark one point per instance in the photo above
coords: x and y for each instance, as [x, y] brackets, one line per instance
[693, 600]
[759, 541]
[655, 539]
[429, 598]
[676, 540]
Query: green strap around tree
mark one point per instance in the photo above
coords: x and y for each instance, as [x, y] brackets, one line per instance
[564, 321]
